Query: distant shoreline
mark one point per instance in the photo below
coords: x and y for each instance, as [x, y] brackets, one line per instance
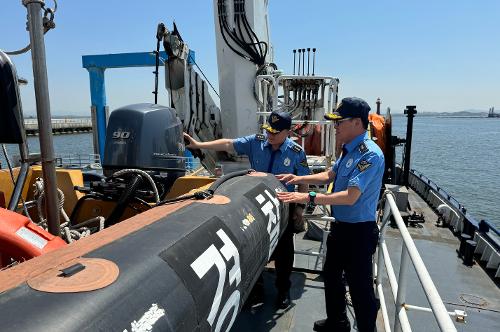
[447, 115]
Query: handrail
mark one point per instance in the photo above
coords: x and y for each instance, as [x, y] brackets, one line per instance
[398, 287]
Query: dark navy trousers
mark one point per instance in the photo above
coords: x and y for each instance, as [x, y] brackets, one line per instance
[283, 255]
[350, 247]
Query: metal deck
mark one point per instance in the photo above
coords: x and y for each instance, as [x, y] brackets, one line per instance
[461, 287]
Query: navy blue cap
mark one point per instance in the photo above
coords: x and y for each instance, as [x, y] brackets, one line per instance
[350, 107]
[278, 121]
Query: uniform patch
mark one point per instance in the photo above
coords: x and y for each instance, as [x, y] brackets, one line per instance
[362, 148]
[296, 148]
[303, 163]
[260, 137]
[363, 165]
[286, 162]
[349, 163]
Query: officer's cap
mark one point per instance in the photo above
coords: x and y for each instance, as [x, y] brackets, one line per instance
[278, 121]
[350, 107]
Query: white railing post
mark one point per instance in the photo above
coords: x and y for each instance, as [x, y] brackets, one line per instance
[409, 253]
[438, 309]
[379, 268]
[401, 322]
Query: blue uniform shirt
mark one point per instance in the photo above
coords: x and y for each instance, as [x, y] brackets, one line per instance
[289, 158]
[361, 166]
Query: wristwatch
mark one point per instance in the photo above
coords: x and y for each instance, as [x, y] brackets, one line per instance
[312, 197]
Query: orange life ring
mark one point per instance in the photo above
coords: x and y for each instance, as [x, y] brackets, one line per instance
[21, 239]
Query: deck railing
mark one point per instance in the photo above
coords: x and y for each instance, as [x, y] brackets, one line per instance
[77, 160]
[398, 286]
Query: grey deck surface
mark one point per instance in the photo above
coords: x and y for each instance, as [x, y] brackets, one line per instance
[461, 287]
[307, 294]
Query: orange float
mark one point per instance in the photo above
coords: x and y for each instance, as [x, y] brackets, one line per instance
[21, 239]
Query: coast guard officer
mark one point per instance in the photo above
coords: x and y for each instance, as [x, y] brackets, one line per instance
[273, 152]
[357, 177]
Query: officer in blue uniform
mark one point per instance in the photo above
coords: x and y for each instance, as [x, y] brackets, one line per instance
[273, 152]
[357, 177]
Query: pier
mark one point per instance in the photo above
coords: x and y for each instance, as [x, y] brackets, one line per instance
[61, 126]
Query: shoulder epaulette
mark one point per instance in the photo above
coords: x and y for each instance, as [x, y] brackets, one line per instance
[297, 148]
[260, 137]
[362, 148]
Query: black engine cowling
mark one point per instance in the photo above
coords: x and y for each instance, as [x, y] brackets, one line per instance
[147, 137]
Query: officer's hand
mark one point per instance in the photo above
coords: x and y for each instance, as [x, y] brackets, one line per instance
[288, 178]
[190, 142]
[293, 197]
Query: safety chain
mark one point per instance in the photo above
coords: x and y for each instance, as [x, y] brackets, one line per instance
[48, 23]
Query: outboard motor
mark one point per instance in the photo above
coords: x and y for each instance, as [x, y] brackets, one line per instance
[146, 137]
[143, 156]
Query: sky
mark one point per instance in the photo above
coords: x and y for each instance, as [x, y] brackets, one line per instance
[442, 56]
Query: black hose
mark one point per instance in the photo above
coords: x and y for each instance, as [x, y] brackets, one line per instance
[122, 203]
[225, 27]
[252, 54]
[226, 177]
[222, 25]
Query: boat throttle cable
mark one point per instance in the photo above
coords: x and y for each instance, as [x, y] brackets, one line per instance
[204, 194]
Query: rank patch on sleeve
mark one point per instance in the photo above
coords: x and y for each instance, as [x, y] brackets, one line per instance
[303, 163]
[296, 148]
[363, 165]
[362, 148]
[260, 137]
